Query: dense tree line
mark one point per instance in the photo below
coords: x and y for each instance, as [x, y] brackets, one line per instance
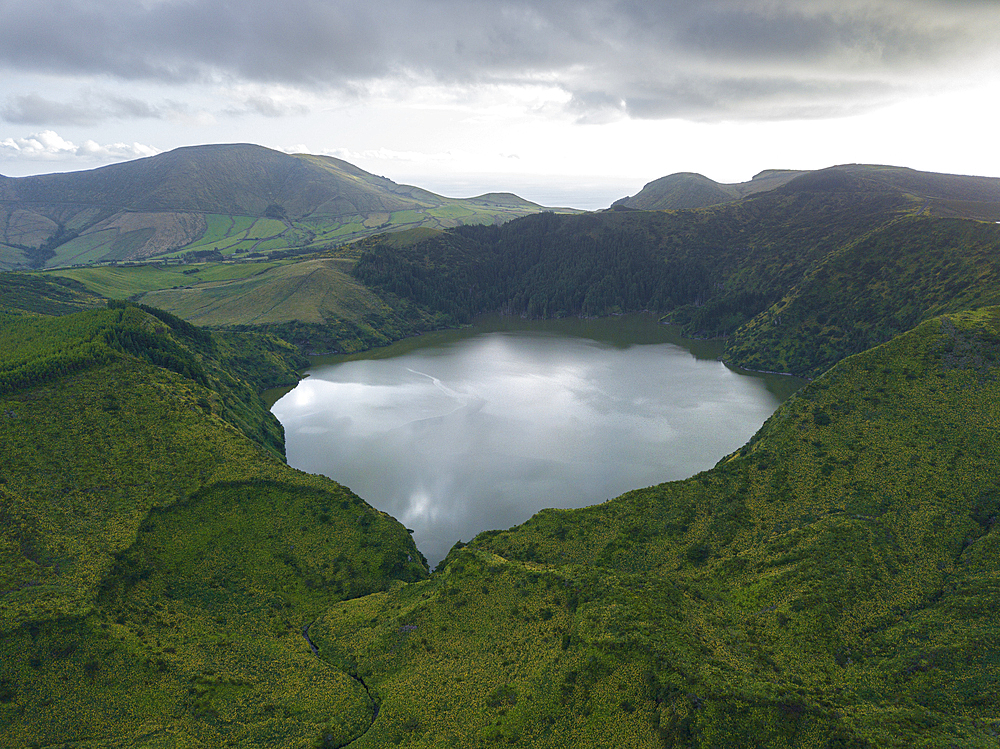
[54, 366]
[873, 290]
[714, 268]
[541, 266]
[797, 278]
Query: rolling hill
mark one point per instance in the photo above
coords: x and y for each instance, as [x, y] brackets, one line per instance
[218, 200]
[157, 554]
[946, 195]
[686, 190]
[314, 301]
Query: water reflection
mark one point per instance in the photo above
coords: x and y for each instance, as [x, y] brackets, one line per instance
[480, 429]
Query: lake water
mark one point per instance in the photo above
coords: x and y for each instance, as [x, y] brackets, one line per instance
[457, 432]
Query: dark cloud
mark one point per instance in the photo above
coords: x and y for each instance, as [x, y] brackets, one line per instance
[707, 59]
[33, 109]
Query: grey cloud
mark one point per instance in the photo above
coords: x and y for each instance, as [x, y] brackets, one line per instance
[267, 107]
[34, 109]
[653, 59]
[701, 98]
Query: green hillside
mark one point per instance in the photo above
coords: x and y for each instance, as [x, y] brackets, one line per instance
[798, 277]
[832, 584]
[686, 190]
[25, 295]
[228, 200]
[314, 302]
[157, 564]
[870, 290]
[131, 281]
[166, 580]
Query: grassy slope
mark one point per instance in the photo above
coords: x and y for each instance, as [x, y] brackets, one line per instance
[158, 565]
[129, 281]
[20, 295]
[308, 291]
[833, 584]
[314, 302]
[247, 234]
[235, 199]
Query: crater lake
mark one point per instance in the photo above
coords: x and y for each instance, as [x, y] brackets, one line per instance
[460, 431]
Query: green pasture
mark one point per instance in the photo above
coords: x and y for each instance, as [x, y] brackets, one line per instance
[308, 291]
[90, 248]
[124, 281]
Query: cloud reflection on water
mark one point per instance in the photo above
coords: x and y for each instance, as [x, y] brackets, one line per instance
[483, 432]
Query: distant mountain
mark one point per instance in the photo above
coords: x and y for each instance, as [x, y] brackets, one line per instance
[226, 199]
[687, 190]
[946, 195]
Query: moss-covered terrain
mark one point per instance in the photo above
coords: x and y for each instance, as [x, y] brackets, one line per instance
[168, 581]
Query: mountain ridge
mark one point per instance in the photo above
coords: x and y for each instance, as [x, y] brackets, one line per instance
[689, 190]
[220, 198]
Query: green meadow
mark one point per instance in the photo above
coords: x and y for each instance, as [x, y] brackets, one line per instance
[127, 281]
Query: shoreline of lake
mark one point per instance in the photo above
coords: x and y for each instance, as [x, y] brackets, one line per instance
[454, 432]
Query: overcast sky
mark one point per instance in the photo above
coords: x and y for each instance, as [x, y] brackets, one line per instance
[567, 102]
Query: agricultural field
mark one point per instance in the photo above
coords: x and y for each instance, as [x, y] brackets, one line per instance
[306, 291]
[215, 199]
